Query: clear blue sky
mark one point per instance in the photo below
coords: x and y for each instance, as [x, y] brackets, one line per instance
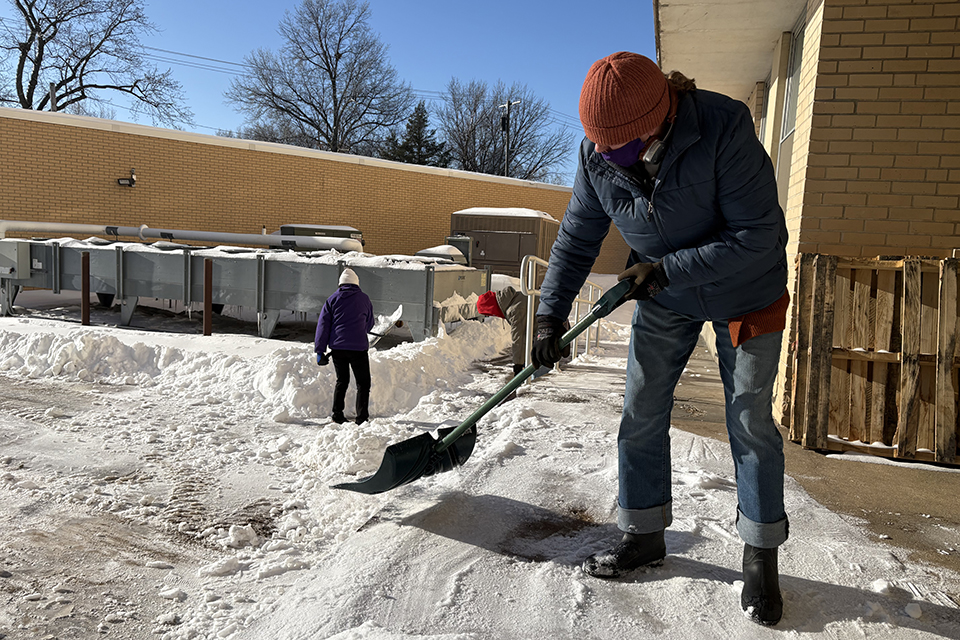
[548, 45]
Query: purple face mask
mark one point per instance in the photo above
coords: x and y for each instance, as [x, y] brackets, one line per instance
[626, 155]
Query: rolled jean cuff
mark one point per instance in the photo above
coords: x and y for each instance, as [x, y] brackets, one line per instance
[763, 535]
[645, 520]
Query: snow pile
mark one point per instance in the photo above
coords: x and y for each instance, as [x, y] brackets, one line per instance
[177, 487]
[284, 382]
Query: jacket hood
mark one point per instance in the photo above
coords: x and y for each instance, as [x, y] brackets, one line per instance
[487, 305]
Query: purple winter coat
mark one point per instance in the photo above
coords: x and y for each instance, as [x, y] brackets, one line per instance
[344, 321]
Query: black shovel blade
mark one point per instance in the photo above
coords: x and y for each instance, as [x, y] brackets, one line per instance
[415, 458]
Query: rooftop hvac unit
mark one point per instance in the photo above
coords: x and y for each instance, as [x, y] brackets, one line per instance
[501, 237]
[464, 244]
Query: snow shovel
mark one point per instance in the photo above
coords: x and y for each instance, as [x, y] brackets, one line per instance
[383, 326]
[424, 455]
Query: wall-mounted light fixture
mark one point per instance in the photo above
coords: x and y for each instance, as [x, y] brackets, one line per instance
[128, 182]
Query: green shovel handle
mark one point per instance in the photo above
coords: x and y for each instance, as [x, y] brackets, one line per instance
[613, 298]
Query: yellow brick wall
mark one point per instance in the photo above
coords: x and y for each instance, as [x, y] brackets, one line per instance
[876, 155]
[883, 172]
[62, 168]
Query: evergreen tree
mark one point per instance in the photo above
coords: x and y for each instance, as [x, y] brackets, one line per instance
[419, 144]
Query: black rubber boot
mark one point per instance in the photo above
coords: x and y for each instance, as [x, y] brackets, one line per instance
[634, 550]
[761, 597]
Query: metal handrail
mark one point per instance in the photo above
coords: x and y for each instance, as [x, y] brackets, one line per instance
[528, 286]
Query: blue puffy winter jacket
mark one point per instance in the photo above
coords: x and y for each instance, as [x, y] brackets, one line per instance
[713, 217]
[344, 321]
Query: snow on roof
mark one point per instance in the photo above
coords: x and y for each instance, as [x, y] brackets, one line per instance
[330, 227]
[506, 211]
[442, 249]
[327, 256]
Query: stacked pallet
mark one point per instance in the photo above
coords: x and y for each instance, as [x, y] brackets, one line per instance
[875, 356]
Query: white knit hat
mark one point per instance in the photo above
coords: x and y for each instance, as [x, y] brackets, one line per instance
[349, 277]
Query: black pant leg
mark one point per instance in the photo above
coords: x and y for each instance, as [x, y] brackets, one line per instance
[361, 372]
[341, 364]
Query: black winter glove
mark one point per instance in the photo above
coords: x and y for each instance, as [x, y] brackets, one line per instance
[323, 359]
[546, 343]
[649, 279]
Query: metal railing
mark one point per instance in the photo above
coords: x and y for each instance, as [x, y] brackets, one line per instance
[590, 292]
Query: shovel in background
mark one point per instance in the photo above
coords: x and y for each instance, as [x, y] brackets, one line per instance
[424, 455]
[383, 326]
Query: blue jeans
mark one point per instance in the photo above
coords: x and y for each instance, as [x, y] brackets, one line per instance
[660, 345]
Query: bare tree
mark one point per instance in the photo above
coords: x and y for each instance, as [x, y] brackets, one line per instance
[331, 81]
[471, 123]
[84, 48]
[468, 123]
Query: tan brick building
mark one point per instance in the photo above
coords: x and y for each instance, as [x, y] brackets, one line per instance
[60, 167]
[857, 103]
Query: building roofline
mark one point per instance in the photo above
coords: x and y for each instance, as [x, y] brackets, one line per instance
[128, 128]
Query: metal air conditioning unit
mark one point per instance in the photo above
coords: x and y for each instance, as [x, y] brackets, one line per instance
[464, 244]
[501, 237]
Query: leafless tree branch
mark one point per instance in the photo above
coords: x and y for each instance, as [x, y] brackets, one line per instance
[84, 48]
[331, 81]
[470, 123]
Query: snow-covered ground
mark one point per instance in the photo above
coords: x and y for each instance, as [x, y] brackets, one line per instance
[155, 483]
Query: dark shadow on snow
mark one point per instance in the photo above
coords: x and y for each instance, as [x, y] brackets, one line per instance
[522, 530]
[535, 534]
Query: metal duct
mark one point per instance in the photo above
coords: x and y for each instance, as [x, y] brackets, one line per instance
[287, 242]
[64, 227]
[144, 232]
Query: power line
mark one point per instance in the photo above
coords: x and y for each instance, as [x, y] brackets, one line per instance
[556, 118]
[439, 94]
[559, 118]
[428, 95]
[573, 120]
[184, 63]
[190, 55]
[131, 110]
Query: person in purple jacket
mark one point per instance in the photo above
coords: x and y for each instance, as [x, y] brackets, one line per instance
[345, 319]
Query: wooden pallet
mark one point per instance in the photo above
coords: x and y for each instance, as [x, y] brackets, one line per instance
[875, 364]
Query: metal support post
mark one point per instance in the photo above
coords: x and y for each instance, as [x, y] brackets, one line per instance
[207, 296]
[85, 288]
[428, 325]
[55, 268]
[187, 276]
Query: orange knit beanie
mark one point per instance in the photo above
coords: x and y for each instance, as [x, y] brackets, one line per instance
[624, 96]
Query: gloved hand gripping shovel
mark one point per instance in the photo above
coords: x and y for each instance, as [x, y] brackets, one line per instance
[424, 455]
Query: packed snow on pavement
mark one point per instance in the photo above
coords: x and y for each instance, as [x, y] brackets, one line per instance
[156, 483]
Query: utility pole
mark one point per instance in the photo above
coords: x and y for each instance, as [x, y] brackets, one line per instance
[505, 127]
